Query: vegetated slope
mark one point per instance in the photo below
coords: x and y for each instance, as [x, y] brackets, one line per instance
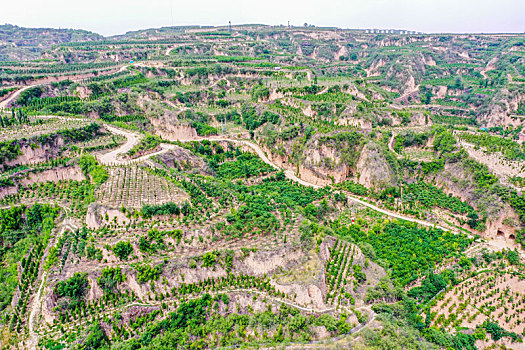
[261, 187]
[19, 43]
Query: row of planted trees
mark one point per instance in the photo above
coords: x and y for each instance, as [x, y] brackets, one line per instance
[338, 273]
[17, 117]
[30, 266]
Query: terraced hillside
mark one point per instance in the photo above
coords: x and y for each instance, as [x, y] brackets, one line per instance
[264, 187]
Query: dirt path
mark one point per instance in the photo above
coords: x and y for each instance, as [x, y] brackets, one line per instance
[36, 304]
[484, 71]
[394, 215]
[273, 299]
[13, 96]
[290, 175]
[424, 106]
[132, 139]
[323, 344]
[491, 65]
[391, 145]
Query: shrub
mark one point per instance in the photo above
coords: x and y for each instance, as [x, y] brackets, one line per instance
[123, 249]
[147, 273]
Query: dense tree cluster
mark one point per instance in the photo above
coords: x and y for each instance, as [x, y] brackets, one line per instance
[74, 289]
[406, 249]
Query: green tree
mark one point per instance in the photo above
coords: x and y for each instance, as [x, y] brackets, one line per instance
[110, 278]
[92, 169]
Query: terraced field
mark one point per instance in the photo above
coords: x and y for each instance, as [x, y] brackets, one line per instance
[133, 187]
[262, 187]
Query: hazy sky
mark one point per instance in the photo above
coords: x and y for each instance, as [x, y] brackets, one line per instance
[109, 17]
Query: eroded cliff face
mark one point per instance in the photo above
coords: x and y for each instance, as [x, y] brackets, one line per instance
[32, 152]
[373, 169]
[54, 175]
[317, 162]
[324, 163]
[183, 159]
[26, 178]
[502, 109]
[454, 179]
[457, 181]
[99, 215]
[168, 129]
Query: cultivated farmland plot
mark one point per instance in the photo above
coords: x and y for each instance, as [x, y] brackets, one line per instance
[48, 126]
[102, 142]
[261, 187]
[489, 295]
[133, 187]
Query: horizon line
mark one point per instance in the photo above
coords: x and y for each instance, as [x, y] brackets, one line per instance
[391, 31]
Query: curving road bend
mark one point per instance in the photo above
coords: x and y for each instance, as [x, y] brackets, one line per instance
[111, 157]
[14, 95]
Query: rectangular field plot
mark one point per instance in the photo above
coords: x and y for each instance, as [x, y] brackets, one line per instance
[133, 187]
[102, 142]
[40, 126]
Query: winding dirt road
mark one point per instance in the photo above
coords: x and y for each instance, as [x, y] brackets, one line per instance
[14, 95]
[112, 158]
